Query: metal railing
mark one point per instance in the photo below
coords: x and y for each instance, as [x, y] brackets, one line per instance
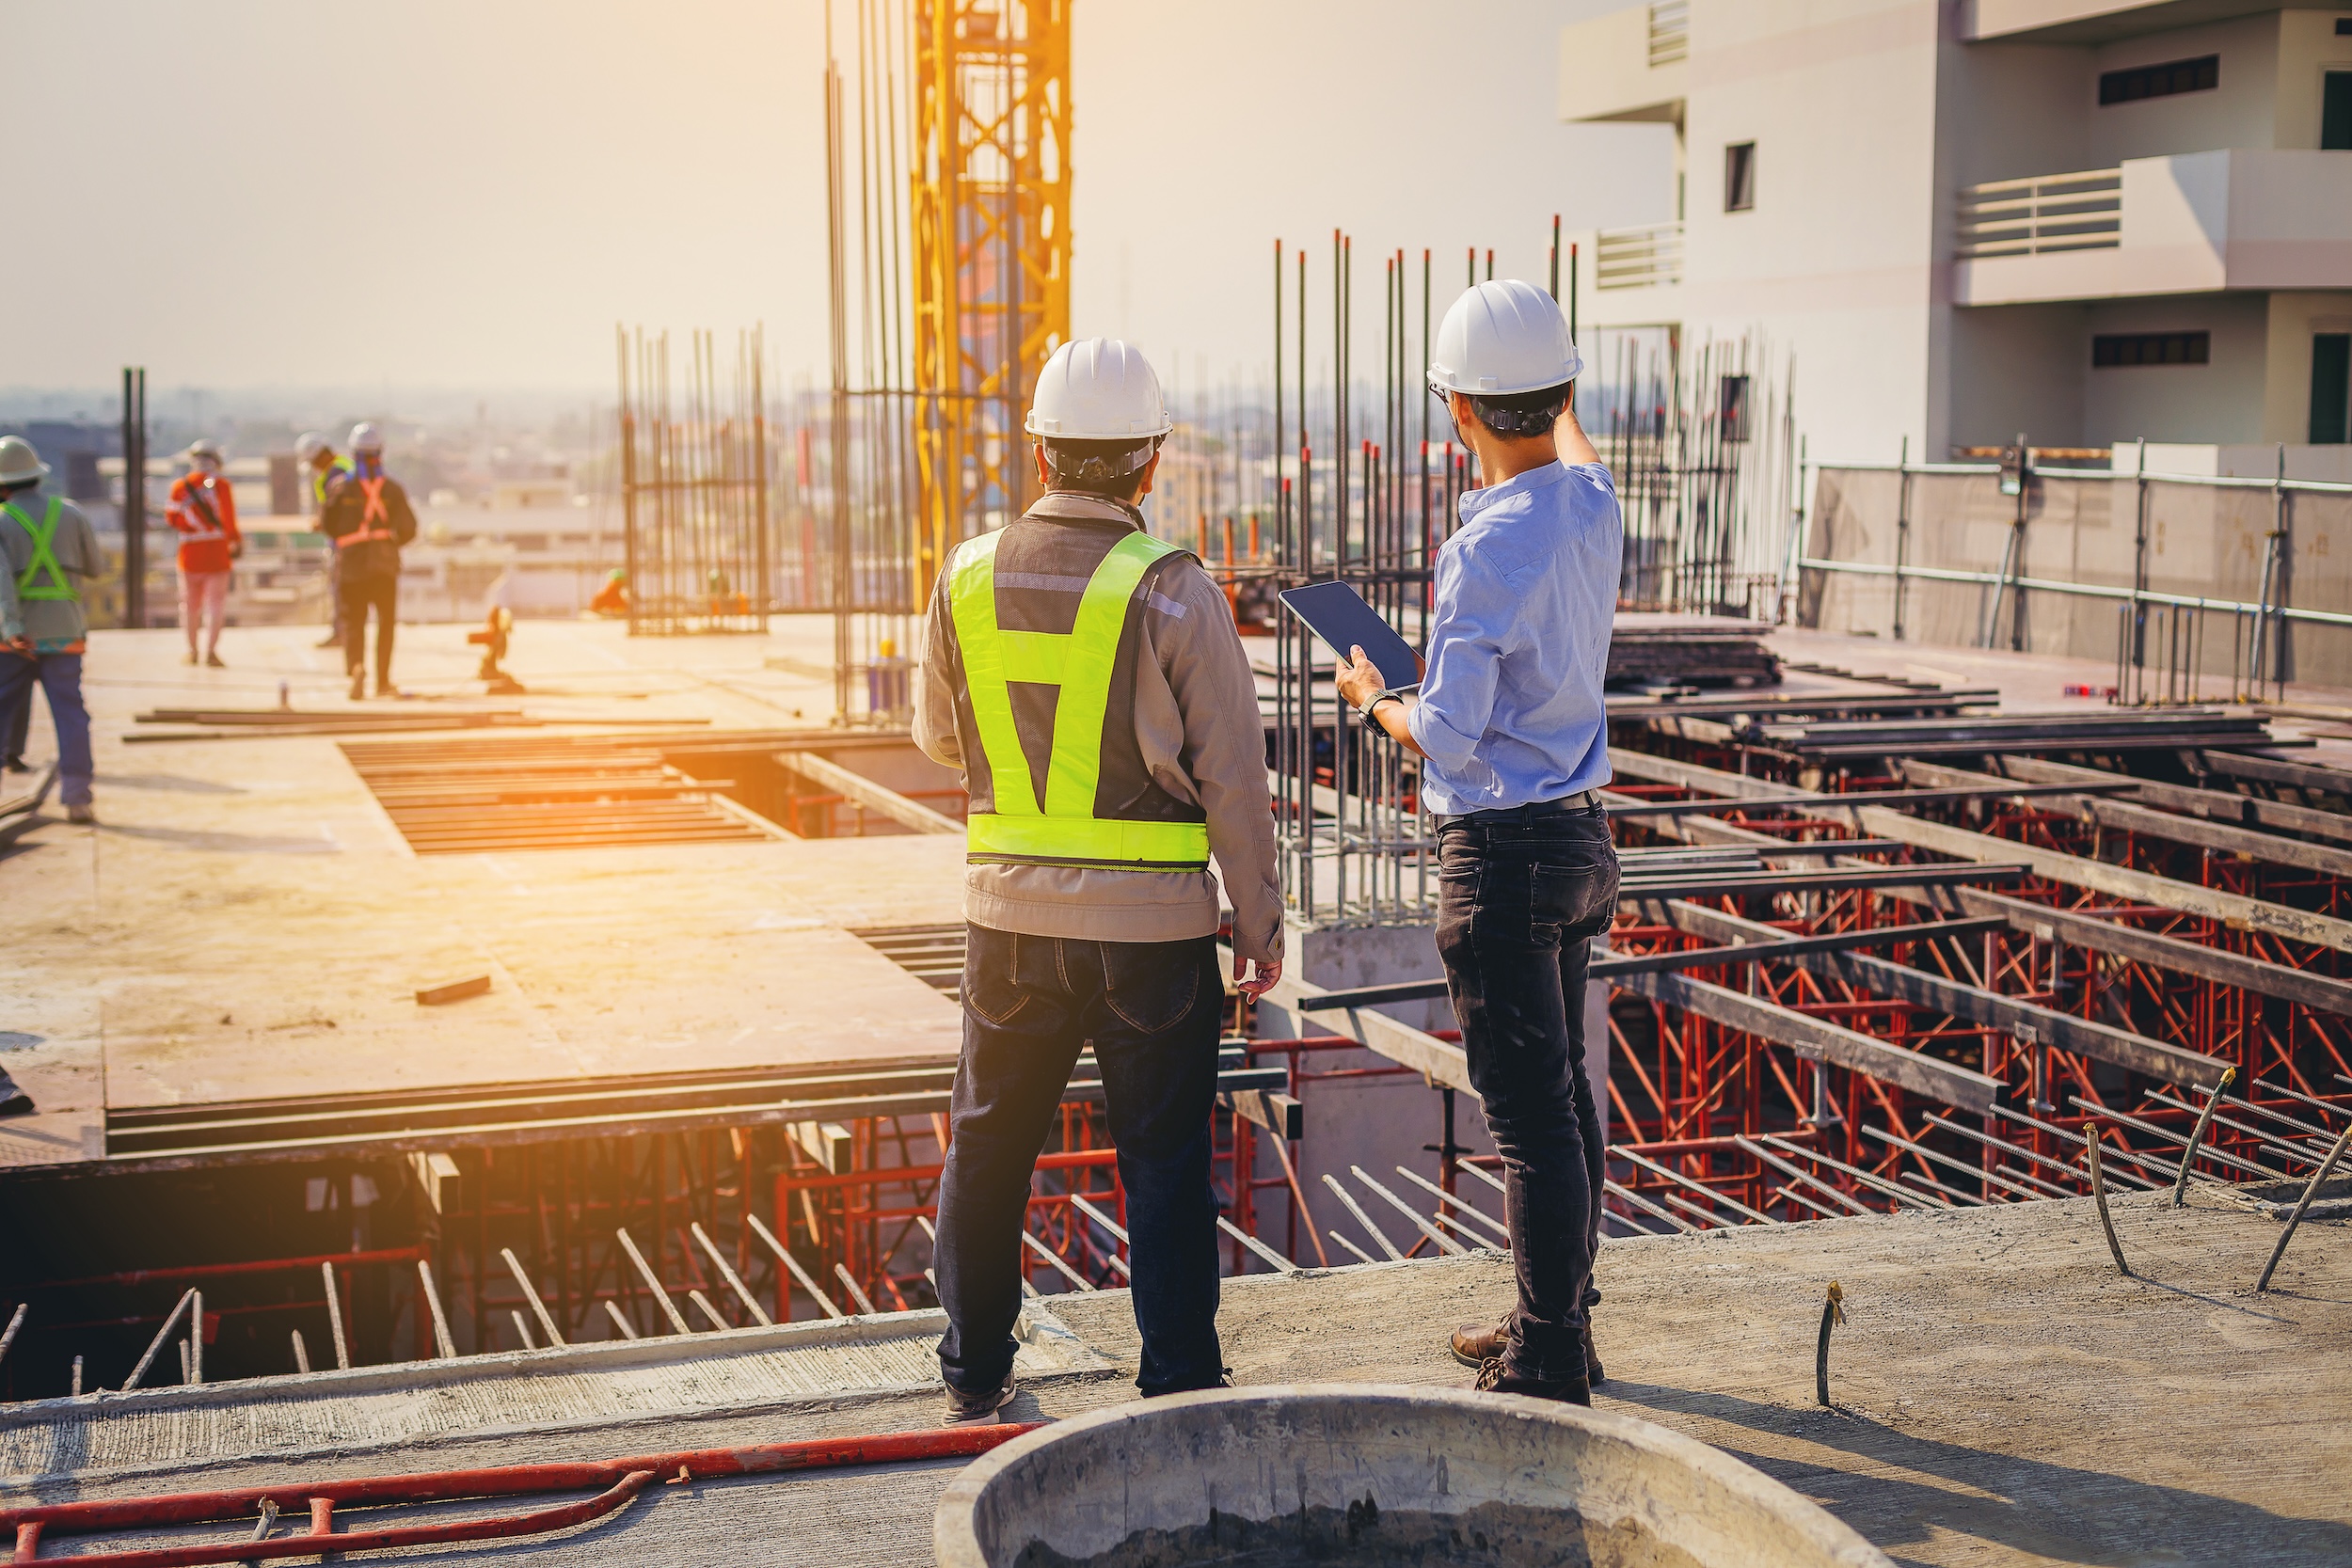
[2041, 214]
[1669, 32]
[1638, 258]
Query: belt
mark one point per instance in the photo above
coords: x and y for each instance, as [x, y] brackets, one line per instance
[1584, 802]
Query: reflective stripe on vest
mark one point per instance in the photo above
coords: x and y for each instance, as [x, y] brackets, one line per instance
[44, 557]
[372, 512]
[1080, 664]
[198, 504]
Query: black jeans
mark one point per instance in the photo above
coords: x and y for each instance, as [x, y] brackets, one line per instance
[355, 592]
[1519, 902]
[1152, 1012]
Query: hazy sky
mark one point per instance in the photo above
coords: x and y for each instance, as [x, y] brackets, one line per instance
[469, 193]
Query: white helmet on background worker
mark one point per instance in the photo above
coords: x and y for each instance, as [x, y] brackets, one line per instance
[19, 463]
[203, 454]
[366, 438]
[308, 446]
[1503, 339]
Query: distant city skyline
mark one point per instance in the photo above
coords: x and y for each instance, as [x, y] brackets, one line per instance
[438, 199]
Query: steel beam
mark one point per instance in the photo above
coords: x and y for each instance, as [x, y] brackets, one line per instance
[2154, 1058]
[864, 791]
[2085, 929]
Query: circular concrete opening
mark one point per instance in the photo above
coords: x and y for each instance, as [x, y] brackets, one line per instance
[1371, 1475]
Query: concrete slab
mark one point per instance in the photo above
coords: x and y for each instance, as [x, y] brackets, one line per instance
[246, 924]
[2003, 1396]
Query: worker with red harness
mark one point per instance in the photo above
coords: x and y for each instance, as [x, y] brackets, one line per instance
[203, 512]
[369, 518]
[47, 553]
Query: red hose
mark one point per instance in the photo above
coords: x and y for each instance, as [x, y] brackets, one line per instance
[622, 1478]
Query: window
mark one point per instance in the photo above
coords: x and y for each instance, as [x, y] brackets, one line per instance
[1731, 403]
[2335, 112]
[2159, 80]
[2343, 26]
[2123, 350]
[2332, 388]
[1739, 177]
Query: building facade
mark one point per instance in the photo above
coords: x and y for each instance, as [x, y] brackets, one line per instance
[2091, 222]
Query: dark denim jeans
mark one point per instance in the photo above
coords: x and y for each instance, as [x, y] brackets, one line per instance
[1152, 1012]
[1519, 902]
[59, 675]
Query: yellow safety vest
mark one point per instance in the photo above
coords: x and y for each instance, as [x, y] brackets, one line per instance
[1080, 662]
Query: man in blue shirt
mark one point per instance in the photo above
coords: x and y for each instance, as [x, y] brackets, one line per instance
[1514, 739]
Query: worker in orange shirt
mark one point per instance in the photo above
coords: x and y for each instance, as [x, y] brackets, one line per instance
[203, 512]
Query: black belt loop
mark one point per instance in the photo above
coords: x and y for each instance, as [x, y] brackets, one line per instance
[1528, 814]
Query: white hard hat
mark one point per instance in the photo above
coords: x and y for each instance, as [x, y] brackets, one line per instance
[19, 463]
[1098, 389]
[309, 445]
[201, 450]
[366, 438]
[1500, 338]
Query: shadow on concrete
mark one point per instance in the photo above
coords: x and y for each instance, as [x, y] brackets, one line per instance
[234, 844]
[2042, 1509]
[171, 781]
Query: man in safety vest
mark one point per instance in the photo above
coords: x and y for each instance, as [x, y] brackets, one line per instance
[47, 551]
[326, 470]
[203, 511]
[1088, 681]
[369, 518]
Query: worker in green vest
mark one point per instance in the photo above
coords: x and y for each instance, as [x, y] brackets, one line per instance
[326, 471]
[1088, 681]
[47, 552]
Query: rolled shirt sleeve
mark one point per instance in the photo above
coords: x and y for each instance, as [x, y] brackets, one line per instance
[1475, 622]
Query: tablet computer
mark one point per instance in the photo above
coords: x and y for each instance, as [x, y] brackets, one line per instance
[1339, 615]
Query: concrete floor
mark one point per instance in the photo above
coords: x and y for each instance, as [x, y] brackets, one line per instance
[2003, 1396]
[246, 921]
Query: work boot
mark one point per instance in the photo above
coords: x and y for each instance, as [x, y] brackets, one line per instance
[214, 660]
[1492, 1379]
[965, 1410]
[386, 688]
[1476, 1344]
[18, 764]
[84, 815]
[188, 657]
[330, 640]
[359, 686]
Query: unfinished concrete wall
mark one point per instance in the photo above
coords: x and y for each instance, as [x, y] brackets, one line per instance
[2200, 540]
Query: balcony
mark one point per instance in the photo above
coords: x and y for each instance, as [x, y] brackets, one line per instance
[1627, 64]
[2195, 223]
[1646, 257]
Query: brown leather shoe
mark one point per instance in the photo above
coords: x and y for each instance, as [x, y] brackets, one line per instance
[1492, 1379]
[1476, 1344]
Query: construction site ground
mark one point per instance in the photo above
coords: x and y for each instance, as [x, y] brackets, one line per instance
[2002, 1395]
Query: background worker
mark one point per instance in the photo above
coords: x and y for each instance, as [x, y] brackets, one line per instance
[49, 552]
[1087, 680]
[203, 511]
[327, 469]
[369, 518]
[1510, 724]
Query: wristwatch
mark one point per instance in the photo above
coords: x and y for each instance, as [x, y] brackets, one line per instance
[1390, 694]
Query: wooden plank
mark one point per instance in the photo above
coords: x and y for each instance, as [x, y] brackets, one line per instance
[2153, 1058]
[867, 793]
[2186, 958]
[1960, 1087]
[2232, 908]
[2278, 770]
[2212, 804]
[2202, 831]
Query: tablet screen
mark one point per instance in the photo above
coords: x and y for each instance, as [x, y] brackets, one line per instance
[1339, 615]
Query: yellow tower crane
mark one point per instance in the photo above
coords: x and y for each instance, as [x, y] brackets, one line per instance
[991, 209]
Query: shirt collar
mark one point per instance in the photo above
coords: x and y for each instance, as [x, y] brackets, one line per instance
[1472, 502]
[1074, 506]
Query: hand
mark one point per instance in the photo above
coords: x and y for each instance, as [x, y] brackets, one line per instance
[1359, 680]
[1265, 976]
[21, 646]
